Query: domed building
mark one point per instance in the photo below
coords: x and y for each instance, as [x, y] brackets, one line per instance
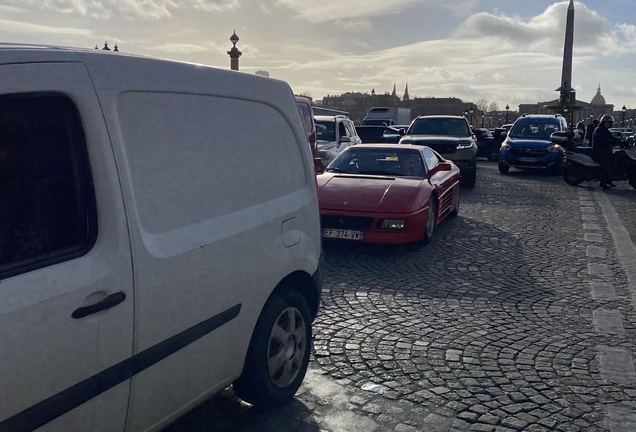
[597, 107]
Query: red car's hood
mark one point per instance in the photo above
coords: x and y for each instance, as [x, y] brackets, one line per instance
[360, 193]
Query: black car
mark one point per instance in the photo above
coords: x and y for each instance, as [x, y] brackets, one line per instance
[379, 134]
[487, 145]
[451, 137]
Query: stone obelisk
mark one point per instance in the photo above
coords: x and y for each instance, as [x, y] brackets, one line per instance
[566, 75]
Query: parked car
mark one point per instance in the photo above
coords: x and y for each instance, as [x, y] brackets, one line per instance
[451, 137]
[334, 133]
[307, 116]
[387, 193]
[487, 146]
[379, 134]
[160, 240]
[528, 143]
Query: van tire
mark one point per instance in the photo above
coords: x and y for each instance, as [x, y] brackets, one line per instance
[278, 355]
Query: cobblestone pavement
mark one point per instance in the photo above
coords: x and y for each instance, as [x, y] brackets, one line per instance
[520, 316]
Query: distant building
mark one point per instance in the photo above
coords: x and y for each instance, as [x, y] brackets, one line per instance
[357, 104]
[594, 109]
[262, 73]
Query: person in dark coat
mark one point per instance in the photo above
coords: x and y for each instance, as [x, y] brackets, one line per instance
[589, 132]
[603, 143]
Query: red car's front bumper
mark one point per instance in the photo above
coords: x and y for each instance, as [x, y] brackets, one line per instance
[413, 230]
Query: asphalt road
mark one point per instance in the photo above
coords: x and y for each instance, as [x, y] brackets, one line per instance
[520, 315]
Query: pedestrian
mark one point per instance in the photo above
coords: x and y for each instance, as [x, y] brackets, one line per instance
[589, 132]
[579, 133]
[603, 143]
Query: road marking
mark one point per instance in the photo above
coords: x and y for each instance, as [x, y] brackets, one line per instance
[595, 252]
[625, 249]
[620, 419]
[595, 269]
[593, 237]
[617, 366]
[609, 322]
[603, 291]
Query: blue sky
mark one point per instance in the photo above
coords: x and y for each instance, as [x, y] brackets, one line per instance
[507, 51]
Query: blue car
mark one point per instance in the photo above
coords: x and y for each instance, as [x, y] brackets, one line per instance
[528, 144]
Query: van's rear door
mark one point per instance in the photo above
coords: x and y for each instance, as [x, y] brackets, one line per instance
[66, 301]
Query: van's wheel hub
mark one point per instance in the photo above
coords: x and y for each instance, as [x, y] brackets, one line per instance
[287, 343]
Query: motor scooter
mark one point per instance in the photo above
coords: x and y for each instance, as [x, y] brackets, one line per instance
[578, 165]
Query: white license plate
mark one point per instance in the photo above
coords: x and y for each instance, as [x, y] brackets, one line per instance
[525, 159]
[342, 234]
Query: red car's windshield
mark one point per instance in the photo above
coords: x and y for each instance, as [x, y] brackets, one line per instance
[393, 162]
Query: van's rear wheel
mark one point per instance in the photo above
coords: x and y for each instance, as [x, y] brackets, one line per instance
[278, 354]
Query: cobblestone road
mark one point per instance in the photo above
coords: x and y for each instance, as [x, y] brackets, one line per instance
[521, 315]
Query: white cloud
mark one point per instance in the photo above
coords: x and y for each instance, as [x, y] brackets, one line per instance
[180, 48]
[150, 9]
[21, 27]
[327, 10]
[264, 10]
[592, 32]
[361, 25]
[214, 5]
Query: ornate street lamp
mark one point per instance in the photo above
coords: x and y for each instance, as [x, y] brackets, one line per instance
[591, 117]
[465, 113]
[624, 111]
[482, 120]
[499, 121]
[507, 110]
[471, 115]
[489, 121]
[234, 53]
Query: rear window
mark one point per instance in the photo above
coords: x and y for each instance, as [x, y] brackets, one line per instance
[457, 127]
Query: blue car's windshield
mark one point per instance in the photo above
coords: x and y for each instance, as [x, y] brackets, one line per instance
[533, 130]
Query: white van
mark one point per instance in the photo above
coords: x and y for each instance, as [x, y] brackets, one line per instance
[159, 239]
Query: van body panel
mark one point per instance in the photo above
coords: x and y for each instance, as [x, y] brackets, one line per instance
[43, 351]
[197, 174]
[212, 164]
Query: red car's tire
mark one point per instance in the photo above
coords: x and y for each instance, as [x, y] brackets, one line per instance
[429, 229]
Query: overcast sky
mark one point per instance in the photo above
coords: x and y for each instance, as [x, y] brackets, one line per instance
[508, 51]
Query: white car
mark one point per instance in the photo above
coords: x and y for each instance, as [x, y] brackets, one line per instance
[334, 134]
[154, 245]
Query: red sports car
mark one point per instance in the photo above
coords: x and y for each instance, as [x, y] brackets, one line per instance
[387, 193]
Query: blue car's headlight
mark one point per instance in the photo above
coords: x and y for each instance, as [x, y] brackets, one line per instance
[505, 146]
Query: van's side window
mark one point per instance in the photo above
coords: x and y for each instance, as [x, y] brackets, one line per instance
[47, 204]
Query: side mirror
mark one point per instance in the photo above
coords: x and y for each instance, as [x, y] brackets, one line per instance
[561, 138]
[344, 139]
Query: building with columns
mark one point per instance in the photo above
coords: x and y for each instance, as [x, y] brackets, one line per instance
[588, 111]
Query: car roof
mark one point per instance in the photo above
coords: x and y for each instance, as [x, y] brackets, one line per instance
[439, 116]
[330, 117]
[387, 146]
[539, 116]
[377, 127]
